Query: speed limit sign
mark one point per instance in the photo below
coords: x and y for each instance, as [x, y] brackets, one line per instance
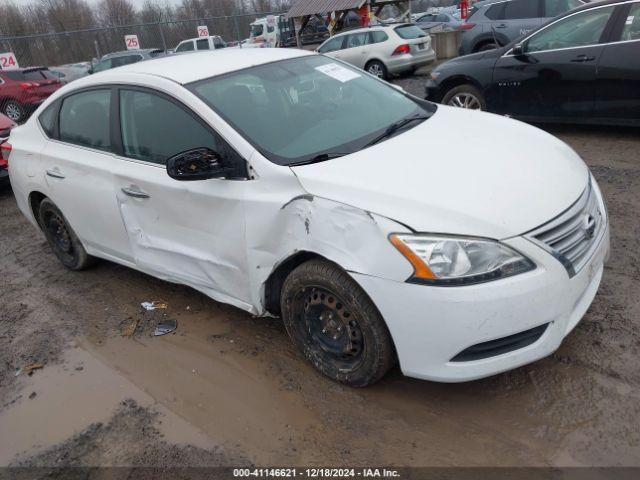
[8, 61]
[131, 41]
[203, 31]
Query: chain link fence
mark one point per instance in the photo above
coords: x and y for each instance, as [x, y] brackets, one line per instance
[61, 48]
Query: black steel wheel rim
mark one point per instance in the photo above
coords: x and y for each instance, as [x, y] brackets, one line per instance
[330, 327]
[59, 235]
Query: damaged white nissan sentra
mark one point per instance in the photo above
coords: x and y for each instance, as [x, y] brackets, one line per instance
[288, 183]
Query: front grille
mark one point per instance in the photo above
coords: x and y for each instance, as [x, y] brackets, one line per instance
[573, 236]
[501, 345]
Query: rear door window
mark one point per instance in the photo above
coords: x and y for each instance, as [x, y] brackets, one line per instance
[378, 36]
[356, 40]
[202, 44]
[85, 118]
[408, 32]
[495, 12]
[520, 9]
[631, 30]
[579, 30]
[553, 8]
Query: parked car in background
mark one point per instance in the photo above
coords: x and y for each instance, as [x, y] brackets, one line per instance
[582, 67]
[492, 24]
[445, 20]
[328, 215]
[382, 50]
[6, 124]
[212, 42]
[23, 89]
[125, 57]
[68, 74]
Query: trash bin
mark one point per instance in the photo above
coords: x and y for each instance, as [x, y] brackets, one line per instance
[446, 42]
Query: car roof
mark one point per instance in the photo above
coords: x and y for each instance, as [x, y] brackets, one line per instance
[373, 27]
[125, 53]
[195, 66]
[198, 38]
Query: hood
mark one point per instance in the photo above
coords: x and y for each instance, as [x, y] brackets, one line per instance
[460, 172]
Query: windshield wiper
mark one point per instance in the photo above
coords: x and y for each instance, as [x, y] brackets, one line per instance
[321, 157]
[394, 127]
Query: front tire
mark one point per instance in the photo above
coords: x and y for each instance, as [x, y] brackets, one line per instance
[62, 239]
[377, 69]
[465, 96]
[335, 324]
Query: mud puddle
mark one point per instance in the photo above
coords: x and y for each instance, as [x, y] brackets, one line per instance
[64, 399]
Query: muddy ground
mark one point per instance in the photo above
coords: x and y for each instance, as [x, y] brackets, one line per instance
[229, 389]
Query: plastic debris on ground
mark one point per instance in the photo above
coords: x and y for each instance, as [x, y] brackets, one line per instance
[29, 369]
[149, 306]
[165, 326]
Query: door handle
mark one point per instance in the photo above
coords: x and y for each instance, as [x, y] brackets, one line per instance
[135, 192]
[583, 58]
[55, 173]
[502, 25]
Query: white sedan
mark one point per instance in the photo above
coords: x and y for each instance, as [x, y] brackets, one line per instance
[287, 183]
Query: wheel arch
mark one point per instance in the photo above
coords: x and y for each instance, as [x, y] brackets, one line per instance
[35, 199]
[275, 280]
[488, 38]
[456, 81]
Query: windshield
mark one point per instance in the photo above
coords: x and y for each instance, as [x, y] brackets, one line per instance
[294, 110]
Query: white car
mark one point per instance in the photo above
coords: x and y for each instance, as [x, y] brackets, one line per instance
[288, 183]
[382, 50]
[213, 42]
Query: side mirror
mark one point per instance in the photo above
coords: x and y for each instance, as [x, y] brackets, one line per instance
[196, 164]
[518, 49]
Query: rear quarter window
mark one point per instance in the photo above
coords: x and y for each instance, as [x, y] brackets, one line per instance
[47, 119]
[408, 32]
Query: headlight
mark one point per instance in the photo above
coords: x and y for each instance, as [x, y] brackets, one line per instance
[458, 261]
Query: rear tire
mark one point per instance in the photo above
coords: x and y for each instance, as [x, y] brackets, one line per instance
[335, 324]
[13, 110]
[377, 69]
[465, 96]
[62, 239]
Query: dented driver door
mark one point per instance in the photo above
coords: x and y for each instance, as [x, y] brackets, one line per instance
[190, 232]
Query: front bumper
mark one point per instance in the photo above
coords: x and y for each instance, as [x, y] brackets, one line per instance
[431, 325]
[432, 91]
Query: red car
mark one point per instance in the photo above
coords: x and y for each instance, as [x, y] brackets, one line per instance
[22, 90]
[5, 127]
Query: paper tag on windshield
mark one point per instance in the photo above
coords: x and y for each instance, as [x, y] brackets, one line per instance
[338, 72]
[630, 20]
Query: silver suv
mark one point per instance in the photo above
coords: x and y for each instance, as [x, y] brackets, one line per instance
[495, 23]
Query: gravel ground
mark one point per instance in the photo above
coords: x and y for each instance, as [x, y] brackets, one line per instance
[229, 389]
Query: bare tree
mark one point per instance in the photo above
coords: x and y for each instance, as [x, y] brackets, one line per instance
[116, 12]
